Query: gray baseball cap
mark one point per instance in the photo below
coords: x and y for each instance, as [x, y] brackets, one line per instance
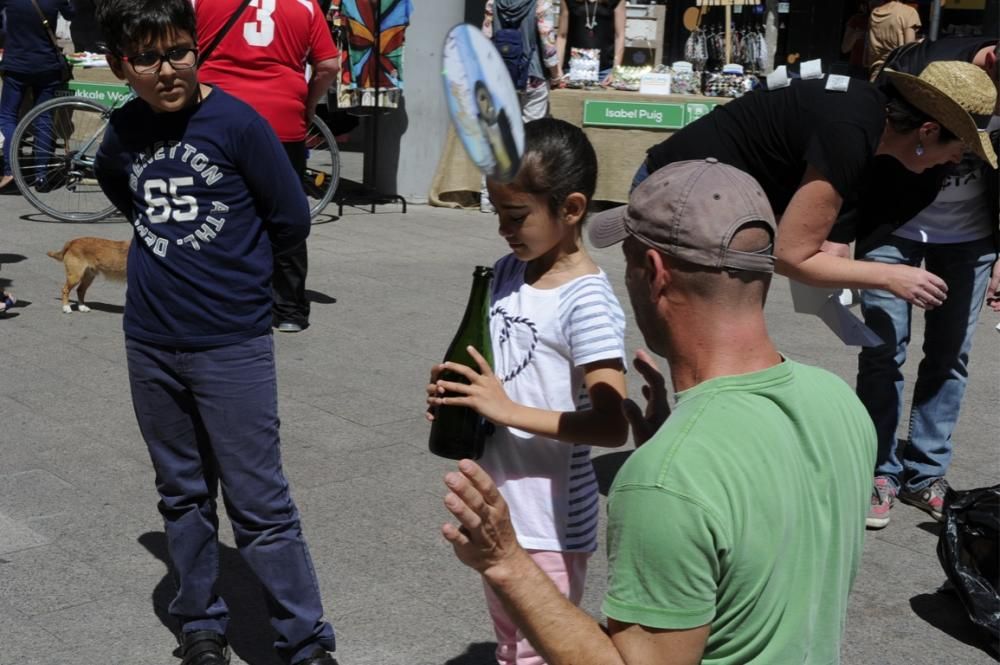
[691, 210]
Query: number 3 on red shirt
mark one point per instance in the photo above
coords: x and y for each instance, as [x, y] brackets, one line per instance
[260, 31]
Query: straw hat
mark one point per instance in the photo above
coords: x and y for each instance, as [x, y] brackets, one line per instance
[952, 93]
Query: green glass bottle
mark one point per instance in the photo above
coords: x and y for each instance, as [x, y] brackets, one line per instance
[458, 432]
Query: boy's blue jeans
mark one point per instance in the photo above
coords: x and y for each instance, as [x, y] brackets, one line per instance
[211, 416]
[943, 372]
[15, 86]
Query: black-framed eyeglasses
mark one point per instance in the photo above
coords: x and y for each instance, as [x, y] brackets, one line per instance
[148, 63]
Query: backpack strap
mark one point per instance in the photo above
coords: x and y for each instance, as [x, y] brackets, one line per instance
[204, 55]
[48, 28]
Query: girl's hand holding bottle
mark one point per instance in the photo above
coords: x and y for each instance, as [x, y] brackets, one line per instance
[484, 393]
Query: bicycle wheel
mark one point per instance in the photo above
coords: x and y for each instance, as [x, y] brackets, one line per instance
[322, 167]
[52, 158]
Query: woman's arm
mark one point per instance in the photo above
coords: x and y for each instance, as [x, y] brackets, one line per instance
[488, 20]
[619, 41]
[619, 34]
[547, 38]
[805, 226]
[561, 36]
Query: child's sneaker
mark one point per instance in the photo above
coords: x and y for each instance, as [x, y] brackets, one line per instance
[930, 499]
[883, 496]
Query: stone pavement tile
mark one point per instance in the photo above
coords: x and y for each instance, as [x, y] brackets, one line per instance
[406, 466]
[311, 463]
[46, 579]
[26, 435]
[912, 529]
[76, 402]
[152, 650]
[361, 407]
[116, 473]
[321, 424]
[119, 619]
[407, 632]
[414, 432]
[37, 493]
[881, 623]
[122, 547]
[20, 641]
[16, 536]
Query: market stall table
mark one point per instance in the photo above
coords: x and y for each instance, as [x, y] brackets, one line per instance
[99, 84]
[621, 125]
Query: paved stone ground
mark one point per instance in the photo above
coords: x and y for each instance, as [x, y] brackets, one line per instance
[83, 575]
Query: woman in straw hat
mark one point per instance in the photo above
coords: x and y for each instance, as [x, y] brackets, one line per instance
[956, 238]
[815, 147]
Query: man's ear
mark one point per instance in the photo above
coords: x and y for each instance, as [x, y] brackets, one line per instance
[658, 273]
[574, 208]
[117, 65]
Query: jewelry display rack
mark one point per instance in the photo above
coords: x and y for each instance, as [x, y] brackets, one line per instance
[728, 4]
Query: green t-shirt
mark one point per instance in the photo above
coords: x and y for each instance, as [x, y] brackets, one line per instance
[747, 511]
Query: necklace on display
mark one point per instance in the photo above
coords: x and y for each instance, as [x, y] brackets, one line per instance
[591, 20]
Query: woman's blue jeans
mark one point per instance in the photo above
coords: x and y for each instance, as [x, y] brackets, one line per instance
[15, 86]
[943, 372]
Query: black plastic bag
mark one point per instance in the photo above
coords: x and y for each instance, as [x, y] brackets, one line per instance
[969, 551]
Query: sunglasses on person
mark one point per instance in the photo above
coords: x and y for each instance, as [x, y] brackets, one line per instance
[148, 63]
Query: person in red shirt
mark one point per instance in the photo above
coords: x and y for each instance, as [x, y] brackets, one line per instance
[262, 60]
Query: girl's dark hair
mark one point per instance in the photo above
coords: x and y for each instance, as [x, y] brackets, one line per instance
[904, 117]
[133, 23]
[558, 160]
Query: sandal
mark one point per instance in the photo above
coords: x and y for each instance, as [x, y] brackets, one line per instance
[7, 302]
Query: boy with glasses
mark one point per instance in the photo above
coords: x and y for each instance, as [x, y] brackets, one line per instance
[206, 185]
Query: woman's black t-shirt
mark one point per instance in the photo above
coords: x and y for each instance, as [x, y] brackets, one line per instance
[601, 36]
[773, 135]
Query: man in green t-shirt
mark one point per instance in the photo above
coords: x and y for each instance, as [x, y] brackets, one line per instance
[736, 529]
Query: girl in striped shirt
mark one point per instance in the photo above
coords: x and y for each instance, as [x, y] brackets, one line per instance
[558, 381]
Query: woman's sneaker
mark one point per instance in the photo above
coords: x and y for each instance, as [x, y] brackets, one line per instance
[883, 496]
[930, 499]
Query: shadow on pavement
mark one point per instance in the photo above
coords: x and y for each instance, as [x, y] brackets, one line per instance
[324, 218]
[933, 528]
[12, 258]
[319, 298]
[606, 468]
[249, 633]
[104, 307]
[480, 653]
[39, 217]
[945, 612]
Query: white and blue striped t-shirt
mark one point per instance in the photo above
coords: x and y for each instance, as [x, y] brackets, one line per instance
[542, 338]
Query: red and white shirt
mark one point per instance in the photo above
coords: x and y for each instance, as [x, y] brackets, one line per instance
[263, 57]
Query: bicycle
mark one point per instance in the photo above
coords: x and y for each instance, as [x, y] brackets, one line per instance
[53, 149]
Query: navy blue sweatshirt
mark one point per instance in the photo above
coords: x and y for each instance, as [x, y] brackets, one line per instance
[29, 49]
[208, 190]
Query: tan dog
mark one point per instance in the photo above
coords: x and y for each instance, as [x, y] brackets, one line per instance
[84, 259]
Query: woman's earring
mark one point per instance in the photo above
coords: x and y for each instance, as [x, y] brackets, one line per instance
[920, 149]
